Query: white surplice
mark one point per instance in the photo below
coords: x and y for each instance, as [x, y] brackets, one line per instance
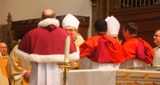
[132, 63]
[86, 63]
[156, 60]
[52, 74]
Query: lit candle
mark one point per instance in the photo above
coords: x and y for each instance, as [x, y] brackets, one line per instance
[67, 49]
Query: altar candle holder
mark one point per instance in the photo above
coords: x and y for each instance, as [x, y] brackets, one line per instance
[66, 65]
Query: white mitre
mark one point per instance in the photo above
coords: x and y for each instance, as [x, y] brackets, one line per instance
[113, 26]
[70, 20]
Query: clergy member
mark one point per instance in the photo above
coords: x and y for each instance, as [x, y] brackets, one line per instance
[3, 73]
[156, 37]
[113, 27]
[137, 52]
[103, 51]
[19, 75]
[4, 55]
[43, 47]
[71, 24]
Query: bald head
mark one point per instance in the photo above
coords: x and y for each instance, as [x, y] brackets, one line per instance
[3, 48]
[48, 13]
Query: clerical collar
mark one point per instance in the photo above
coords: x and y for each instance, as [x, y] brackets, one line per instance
[133, 37]
[4, 56]
[101, 33]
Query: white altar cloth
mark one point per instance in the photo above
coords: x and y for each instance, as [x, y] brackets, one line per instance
[91, 77]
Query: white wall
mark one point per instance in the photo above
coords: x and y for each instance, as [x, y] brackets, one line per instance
[27, 9]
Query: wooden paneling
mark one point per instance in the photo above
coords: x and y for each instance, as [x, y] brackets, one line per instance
[147, 18]
[21, 27]
[99, 11]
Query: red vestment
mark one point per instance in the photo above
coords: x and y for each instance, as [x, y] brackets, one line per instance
[102, 49]
[43, 47]
[136, 48]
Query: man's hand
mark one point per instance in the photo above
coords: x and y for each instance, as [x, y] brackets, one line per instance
[27, 74]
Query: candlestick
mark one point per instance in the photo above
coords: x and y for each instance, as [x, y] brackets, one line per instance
[67, 49]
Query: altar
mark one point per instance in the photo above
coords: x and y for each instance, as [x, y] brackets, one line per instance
[136, 76]
[91, 77]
